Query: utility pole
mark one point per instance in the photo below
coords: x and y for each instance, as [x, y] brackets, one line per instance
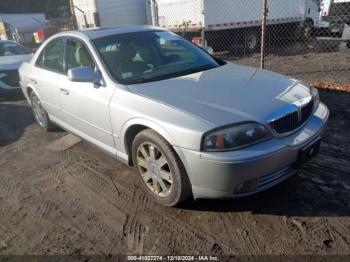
[73, 17]
[263, 34]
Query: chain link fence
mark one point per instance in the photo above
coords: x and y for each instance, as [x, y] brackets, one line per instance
[308, 39]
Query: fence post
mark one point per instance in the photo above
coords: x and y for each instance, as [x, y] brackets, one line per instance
[263, 34]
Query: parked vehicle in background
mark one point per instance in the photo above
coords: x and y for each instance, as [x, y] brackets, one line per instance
[107, 13]
[336, 13]
[189, 123]
[239, 21]
[12, 55]
[20, 27]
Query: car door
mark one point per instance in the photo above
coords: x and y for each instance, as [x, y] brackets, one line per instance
[85, 106]
[48, 67]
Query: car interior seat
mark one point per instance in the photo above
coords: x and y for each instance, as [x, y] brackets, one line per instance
[127, 63]
[82, 58]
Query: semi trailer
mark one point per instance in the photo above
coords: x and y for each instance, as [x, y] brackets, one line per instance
[109, 13]
[229, 24]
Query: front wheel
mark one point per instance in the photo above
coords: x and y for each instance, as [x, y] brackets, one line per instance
[160, 171]
[40, 114]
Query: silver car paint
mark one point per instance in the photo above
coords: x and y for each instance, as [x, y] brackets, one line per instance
[228, 94]
[215, 175]
[181, 110]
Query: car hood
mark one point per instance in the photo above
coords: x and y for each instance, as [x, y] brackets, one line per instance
[14, 61]
[227, 94]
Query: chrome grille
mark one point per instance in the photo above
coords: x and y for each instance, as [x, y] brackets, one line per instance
[11, 77]
[293, 120]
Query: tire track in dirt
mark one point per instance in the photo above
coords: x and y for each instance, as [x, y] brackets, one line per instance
[7, 234]
[9, 187]
[101, 186]
[134, 232]
[341, 232]
[231, 230]
[102, 233]
[249, 237]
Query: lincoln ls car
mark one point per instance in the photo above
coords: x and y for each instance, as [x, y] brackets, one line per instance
[190, 124]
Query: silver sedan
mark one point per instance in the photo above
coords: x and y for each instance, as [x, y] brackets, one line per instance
[190, 124]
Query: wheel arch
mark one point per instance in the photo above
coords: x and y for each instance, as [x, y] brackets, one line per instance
[28, 90]
[132, 128]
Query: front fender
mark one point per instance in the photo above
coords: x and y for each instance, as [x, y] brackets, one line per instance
[148, 123]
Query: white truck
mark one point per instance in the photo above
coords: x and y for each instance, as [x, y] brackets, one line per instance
[236, 21]
[107, 13]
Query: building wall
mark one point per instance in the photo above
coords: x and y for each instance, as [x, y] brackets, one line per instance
[89, 8]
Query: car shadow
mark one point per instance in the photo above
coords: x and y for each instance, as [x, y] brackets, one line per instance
[11, 96]
[294, 197]
[14, 118]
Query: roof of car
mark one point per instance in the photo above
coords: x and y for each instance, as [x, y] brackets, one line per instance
[106, 31]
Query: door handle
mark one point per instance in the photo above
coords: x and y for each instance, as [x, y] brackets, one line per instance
[33, 81]
[64, 91]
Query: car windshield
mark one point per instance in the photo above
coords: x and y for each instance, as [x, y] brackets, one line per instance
[12, 48]
[151, 56]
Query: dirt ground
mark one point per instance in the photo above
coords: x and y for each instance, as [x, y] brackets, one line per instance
[83, 202]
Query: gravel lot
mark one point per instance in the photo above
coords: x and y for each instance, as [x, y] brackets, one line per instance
[81, 201]
[304, 63]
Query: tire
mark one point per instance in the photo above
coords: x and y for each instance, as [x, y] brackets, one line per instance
[308, 31]
[252, 41]
[162, 166]
[40, 115]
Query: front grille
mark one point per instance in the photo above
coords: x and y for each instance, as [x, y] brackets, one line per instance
[293, 120]
[11, 77]
[274, 178]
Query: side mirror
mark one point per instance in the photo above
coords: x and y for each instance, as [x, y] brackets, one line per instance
[81, 74]
[209, 50]
[86, 74]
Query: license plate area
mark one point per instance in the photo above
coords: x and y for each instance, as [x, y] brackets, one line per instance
[308, 152]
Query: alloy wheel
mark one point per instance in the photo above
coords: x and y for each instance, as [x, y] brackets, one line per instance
[39, 112]
[154, 169]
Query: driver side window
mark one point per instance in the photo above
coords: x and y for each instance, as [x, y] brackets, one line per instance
[77, 55]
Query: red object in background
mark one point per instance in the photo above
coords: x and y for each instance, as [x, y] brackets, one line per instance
[43, 33]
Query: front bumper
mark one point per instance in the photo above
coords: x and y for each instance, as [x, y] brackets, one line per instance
[217, 175]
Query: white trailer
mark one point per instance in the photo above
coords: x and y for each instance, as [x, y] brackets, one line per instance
[219, 18]
[107, 13]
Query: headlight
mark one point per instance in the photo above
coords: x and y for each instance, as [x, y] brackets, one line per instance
[315, 96]
[234, 137]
